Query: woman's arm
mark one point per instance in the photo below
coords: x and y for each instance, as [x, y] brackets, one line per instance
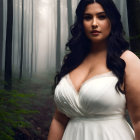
[132, 89]
[58, 125]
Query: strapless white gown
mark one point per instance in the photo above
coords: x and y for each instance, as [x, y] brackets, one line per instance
[96, 112]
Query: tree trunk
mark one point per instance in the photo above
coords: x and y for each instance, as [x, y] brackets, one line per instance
[58, 42]
[21, 52]
[1, 34]
[69, 7]
[8, 52]
[134, 24]
[32, 38]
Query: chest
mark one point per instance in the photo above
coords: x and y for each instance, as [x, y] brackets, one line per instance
[96, 96]
[79, 77]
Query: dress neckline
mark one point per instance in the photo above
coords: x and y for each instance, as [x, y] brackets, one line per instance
[86, 81]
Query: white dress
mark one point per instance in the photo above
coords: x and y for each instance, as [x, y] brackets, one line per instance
[96, 112]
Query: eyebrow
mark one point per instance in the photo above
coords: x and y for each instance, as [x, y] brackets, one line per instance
[96, 14]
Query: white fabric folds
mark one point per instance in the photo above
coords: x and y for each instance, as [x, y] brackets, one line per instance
[96, 112]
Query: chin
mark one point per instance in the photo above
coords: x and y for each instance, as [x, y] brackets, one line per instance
[97, 40]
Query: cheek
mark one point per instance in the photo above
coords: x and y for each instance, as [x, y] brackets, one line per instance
[107, 26]
[86, 25]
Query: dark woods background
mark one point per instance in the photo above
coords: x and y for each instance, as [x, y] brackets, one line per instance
[26, 102]
[134, 24]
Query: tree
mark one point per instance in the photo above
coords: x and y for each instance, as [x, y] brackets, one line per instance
[32, 38]
[134, 24]
[22, 32]
[1, 33]
[69, 7]
[58, 41]
[8, 51]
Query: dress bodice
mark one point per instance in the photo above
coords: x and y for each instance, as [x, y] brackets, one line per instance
[96, 97]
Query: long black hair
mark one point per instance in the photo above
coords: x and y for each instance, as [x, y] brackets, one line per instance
[78, 46]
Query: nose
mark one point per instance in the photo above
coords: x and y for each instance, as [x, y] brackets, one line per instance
[94, 23]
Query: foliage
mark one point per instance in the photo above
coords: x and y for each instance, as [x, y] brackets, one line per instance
[12, 111]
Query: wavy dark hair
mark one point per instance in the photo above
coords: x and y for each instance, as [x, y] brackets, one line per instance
[79, 45]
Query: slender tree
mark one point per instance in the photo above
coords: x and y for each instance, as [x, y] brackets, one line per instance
[32, 37]
[35, 35]
[1, 33]
[69, 7]
[22, 32]
[8, 51]
[134, 24]
[58, 42]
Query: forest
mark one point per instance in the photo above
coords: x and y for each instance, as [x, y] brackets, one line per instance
[33, 35]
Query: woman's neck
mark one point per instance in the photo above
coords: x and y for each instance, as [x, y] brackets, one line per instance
[97, 48]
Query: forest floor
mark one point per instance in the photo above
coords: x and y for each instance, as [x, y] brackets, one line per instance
[44, 103]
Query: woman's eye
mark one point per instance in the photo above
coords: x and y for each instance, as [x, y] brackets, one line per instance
[87, 17]
[102, 17]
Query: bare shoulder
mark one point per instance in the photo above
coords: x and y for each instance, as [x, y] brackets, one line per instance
[128, 56]
[132, 62]
[132, 70]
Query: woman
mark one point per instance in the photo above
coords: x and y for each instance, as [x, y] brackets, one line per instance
[98, 81]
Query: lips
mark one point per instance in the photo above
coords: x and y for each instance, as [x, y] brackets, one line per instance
[95, 31]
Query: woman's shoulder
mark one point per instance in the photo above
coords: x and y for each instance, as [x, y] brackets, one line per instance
[129, 57]
[132, 68]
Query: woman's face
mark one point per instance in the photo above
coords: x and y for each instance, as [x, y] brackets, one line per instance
[96, 24]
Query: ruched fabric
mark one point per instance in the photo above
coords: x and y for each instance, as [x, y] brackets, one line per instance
[96, 112]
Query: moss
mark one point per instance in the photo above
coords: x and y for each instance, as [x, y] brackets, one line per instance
[12, 111]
